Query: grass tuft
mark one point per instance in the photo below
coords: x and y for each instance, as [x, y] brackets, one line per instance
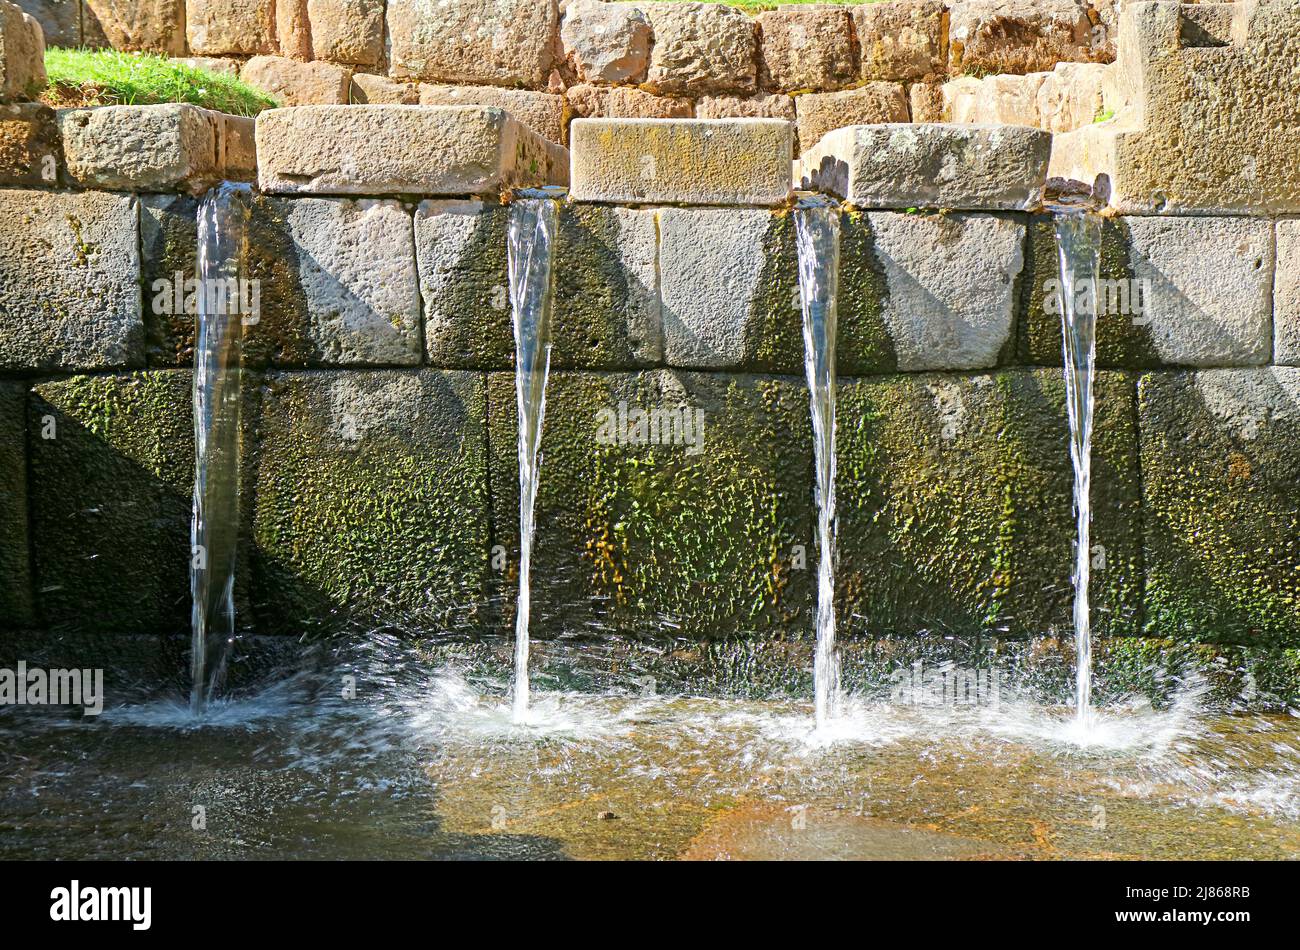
[79, 77]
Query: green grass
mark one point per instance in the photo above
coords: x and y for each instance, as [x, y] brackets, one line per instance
[79, 77]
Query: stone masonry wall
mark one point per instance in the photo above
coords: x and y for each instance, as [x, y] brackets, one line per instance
[381, 483]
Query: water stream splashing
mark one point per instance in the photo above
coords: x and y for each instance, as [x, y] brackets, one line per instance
[817, 234]
[218, 388]
[533, 223]
[1078, 239]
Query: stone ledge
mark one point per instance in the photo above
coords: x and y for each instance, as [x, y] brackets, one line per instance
[963, 168]
[682, 161]
[402, 150]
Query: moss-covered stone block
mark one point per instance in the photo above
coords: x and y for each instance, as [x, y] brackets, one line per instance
[1221, 492]
[648, 534]
[956, 505]
[112, 476]
[864, 344]
[168, 248]
[606, 305]
[16, 601]
[371, 500]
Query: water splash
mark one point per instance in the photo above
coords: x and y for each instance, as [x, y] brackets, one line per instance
[1078, 238]
[533, 223]
[218, 389]
[817, 235]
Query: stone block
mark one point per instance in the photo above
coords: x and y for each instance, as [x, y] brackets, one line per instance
[402, 150]
[69, 281]
[168, 247]
[805, 48]
[31, 150]
[902, 39]
[930, 166]
[701, 49]
[22, 55]
[230, 27]
[1071, 96]
[746, 107]
[606, 43]
[542, 112]
[820, 113]
[347, 31]
[711, 162]
[1286, 295]
[489, 42]
[292, 83]
[623, 102]
[371, 501]
[152, 26]
[293, 29]
[17, 601]
[171, 147]
[1018, 36]
[60, 20]
[382, 91]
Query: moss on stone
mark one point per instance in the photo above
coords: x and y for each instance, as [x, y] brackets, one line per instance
[17, 607]
[864, 344]
[168, 246]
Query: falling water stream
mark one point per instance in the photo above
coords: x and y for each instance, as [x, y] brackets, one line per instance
[218, 386]
[1078, 238]
[817, 232]
[531, 239]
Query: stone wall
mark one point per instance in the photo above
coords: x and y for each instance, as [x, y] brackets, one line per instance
[381, 485]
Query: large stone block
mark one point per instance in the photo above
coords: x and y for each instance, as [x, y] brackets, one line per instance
[951, 282]
[347, 31]
[171, 147]
[1172, 292]
[902, 39]
[1210, 124]
[1018, 36]
[729, 290]
[69, 281]
[60, 20]
[820, 113]
[955, 506]
[168, 248]
[111, 500]
[1286, 295]
[495, 42]
[930, 166]
[996, 100]
[805, 48]
[17, 604]
[371, 500]
[1221, 508]
[606, 307]
[543, 112]
[31, 150]
[1072, 96]
[22, 54]
[642, 534]
[402, 150]
[701, 48]
[153, 26]
[293, 29]
[711, 162]
[337, 283]
[223, 27]
[624, 102]
[291, 83]
[606, 42]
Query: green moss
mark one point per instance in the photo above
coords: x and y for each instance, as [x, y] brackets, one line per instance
[81, 77]
[17, 605]
[864, 342]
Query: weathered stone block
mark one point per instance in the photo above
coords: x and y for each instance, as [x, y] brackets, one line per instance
[347, 31]
[1172, 291]
[172, 147]
[805, 48]
[953, 309]
[621, 102]
[925, 100]
[1000, 100]
[955, 505]
[168, 248]
[606, 42]
[293, 29]
[69, 281]
[371, 500]
[60, 20]
[729, 288]
[902, 39]
[820, 113]
[606, 307]
[111, 496]
[930, 166]
[1071, 96]
[496, 42]
[401, 150]
[542, 112]
[22, 54]
[1018, 36]
[221, 27]
[154, 26]
[31, 151]
[220, 65]
[1210, 126]
[720, 161]
[292, 83]
[238, 148]
[17, 603]
[639, 532]
[1286, 295]
[746, 107]
[338, 283]
[1221, 509]
[380, 90]
[701, 48]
